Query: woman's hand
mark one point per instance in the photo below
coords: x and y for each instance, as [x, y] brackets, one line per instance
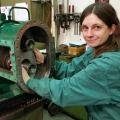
[39, 56]
[25, 75]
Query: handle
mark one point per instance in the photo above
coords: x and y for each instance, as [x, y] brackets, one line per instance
[9, 15]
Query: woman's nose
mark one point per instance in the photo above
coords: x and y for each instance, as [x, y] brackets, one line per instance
[89, 32]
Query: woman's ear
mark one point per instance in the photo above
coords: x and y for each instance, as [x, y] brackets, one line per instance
[113, 28]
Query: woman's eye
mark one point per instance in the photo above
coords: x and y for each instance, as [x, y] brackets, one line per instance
[97, 27]
[84, 28]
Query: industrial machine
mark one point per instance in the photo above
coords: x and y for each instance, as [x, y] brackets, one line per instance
[17, 42]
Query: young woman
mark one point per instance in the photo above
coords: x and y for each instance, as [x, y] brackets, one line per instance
[93, 79]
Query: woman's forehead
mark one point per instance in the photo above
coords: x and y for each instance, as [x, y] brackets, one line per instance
[92, 19]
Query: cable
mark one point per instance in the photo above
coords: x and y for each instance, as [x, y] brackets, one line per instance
[0, 6]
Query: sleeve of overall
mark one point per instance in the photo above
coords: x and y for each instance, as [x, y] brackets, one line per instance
[87, 87]
[63, 69]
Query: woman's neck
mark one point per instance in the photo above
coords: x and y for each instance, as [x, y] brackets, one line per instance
[106, 47]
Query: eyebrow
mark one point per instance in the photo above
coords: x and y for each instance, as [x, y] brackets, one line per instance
[93, 25]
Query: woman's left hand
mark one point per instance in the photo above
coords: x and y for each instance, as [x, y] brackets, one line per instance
[25, 75]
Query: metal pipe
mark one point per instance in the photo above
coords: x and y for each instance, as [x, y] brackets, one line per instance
[9, 16]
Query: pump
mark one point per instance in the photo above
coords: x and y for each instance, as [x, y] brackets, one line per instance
[18, 40]
[17, 43]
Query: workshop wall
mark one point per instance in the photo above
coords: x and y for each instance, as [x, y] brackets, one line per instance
[38, 10]
[81, 4]
[116, 5]
[70, 35]
[13, 2]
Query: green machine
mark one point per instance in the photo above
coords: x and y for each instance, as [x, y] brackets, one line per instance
[17, 41]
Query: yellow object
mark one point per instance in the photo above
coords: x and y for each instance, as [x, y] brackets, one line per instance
[76, 50]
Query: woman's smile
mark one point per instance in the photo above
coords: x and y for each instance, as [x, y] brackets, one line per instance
[95, 31]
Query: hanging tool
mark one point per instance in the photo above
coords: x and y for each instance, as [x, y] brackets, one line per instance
[75, 25]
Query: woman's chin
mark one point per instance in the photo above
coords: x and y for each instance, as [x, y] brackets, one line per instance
[92, 45]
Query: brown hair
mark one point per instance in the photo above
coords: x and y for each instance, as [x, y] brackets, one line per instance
[107, 14]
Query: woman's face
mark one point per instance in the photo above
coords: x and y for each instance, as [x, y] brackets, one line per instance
[95, 31]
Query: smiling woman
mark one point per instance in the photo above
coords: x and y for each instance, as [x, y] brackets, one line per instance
[93, 79]
[95, 31]
[101, 30]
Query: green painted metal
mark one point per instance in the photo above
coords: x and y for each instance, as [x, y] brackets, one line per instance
[17, 41]
[77, 112]
[8, 90]
[8, 34]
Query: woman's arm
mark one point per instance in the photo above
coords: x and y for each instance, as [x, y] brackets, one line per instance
[64, 69]
[90, 86]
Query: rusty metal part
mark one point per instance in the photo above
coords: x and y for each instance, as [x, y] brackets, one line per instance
[5, 58]
[30, 33]
[20, 105]
[17, 43]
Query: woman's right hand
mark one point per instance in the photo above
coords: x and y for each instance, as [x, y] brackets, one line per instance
[25, 75]
[39, 56]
